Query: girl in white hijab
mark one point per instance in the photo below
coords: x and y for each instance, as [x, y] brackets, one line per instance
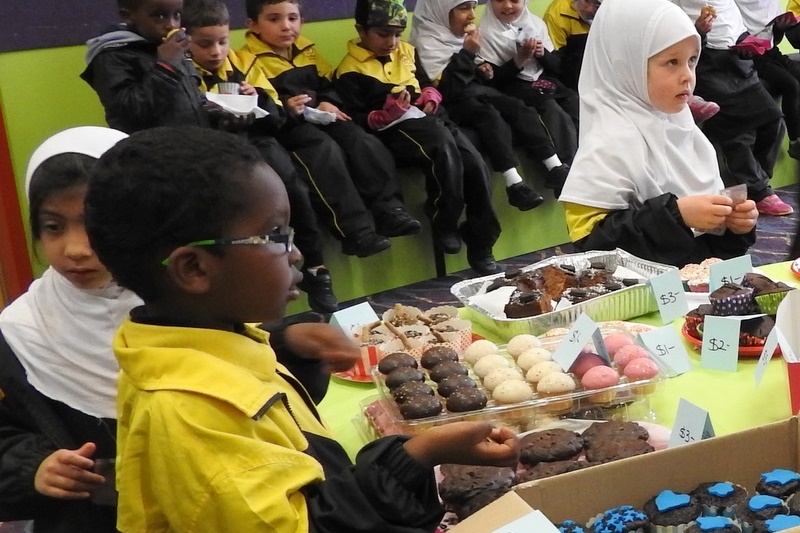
[645, 178]
[58, 374]
[447, 41]
[517, 46]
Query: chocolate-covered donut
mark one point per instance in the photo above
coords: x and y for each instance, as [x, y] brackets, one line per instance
[408, 390]
[438, 354]
[466, 400]
[448, 368]
[421, 407]
[396, 360]
[402, 375]
[450, 384]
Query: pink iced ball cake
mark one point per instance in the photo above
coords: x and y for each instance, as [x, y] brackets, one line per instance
[600, 377]
[629, 353]
[639, 369]
[584, 362]
[615, 341]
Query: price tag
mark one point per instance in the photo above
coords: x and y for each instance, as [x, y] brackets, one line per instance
[729, 271]
[766, 354]
[720, 349]
[347, 319]
[667, 346]
[533, 521]
[671, 300]
[692, 424]
[582, 332]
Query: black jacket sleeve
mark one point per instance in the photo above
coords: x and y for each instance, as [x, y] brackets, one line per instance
[311, 373]
[457, 76]
[656, 231]
[386, 490]
[351, 85]
[271, 124]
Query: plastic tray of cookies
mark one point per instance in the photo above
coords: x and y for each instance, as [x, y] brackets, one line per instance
[627, 302]
[628, 399]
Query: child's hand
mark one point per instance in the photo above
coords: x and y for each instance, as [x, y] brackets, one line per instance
[67, 474]
[704, 22]
[174, 47]
[485, 71]
[323, 342]
[472, 41]
[704, 212]
[743, 218]
[330, 108]
[525, 52]
[297, 104]
[539, 50]
[246, 89]
[470, 443]
[784, 21]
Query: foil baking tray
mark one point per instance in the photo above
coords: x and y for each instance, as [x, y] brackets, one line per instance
[623, 304]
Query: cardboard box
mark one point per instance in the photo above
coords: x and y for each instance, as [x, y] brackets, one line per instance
[738, 457]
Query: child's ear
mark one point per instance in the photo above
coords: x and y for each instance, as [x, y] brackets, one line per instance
[190, 269]
[251, 26]
[361, 31]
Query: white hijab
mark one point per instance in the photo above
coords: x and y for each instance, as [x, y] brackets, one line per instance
[62, 334]
[499, 40]
[431, 35]
[727, 26]
[628, 151]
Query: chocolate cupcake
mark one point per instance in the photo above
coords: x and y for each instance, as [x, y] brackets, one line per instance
[695, 318]
[780, 483]
[768, 294]
[671, 512]
[466, 400]
[624, 519]
[714, 524]
[732, 299]
[719, 499]
[394, 361]
[570, 526]
[758, 508]
[754, 331]
[779, 522]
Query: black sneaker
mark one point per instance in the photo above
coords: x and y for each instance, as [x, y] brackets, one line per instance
[365, 246]
[555, 178]
[524, 198]
[395, 223]
[448, 241]
[480, 258]
[319, 289]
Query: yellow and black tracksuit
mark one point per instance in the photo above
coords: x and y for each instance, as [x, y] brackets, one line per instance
[360, 158]
[456, 175]
[568, 32]
[242, 67]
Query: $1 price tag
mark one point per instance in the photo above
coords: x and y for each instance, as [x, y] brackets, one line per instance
[668, 348]
[729, 271]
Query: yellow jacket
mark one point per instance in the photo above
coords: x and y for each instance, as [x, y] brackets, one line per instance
[240, 63]
[563, 21]
[209, 433]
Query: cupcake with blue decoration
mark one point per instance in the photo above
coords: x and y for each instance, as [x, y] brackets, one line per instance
[780, 522]
[624, 519]
[570, 526]
[671, 512]
[714, 524]
[780, 483]
[758, 509]
[720, 498]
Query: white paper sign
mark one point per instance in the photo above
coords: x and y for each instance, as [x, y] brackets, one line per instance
[350, 317]
[692, 424]
[669, 350]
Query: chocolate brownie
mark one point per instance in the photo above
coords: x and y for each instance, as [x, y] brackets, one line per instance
[556, 279]
[462, 483]
[522, 304]
[396, 360]
[614, 429]
[548, 469]
[605, 450]
[554, 444]
[670, 508]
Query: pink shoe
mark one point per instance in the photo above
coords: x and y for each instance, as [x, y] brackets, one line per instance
[773, 206]
[702, 110]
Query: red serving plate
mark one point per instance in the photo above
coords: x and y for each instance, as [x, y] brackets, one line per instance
[744, 351]
[795, 268]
